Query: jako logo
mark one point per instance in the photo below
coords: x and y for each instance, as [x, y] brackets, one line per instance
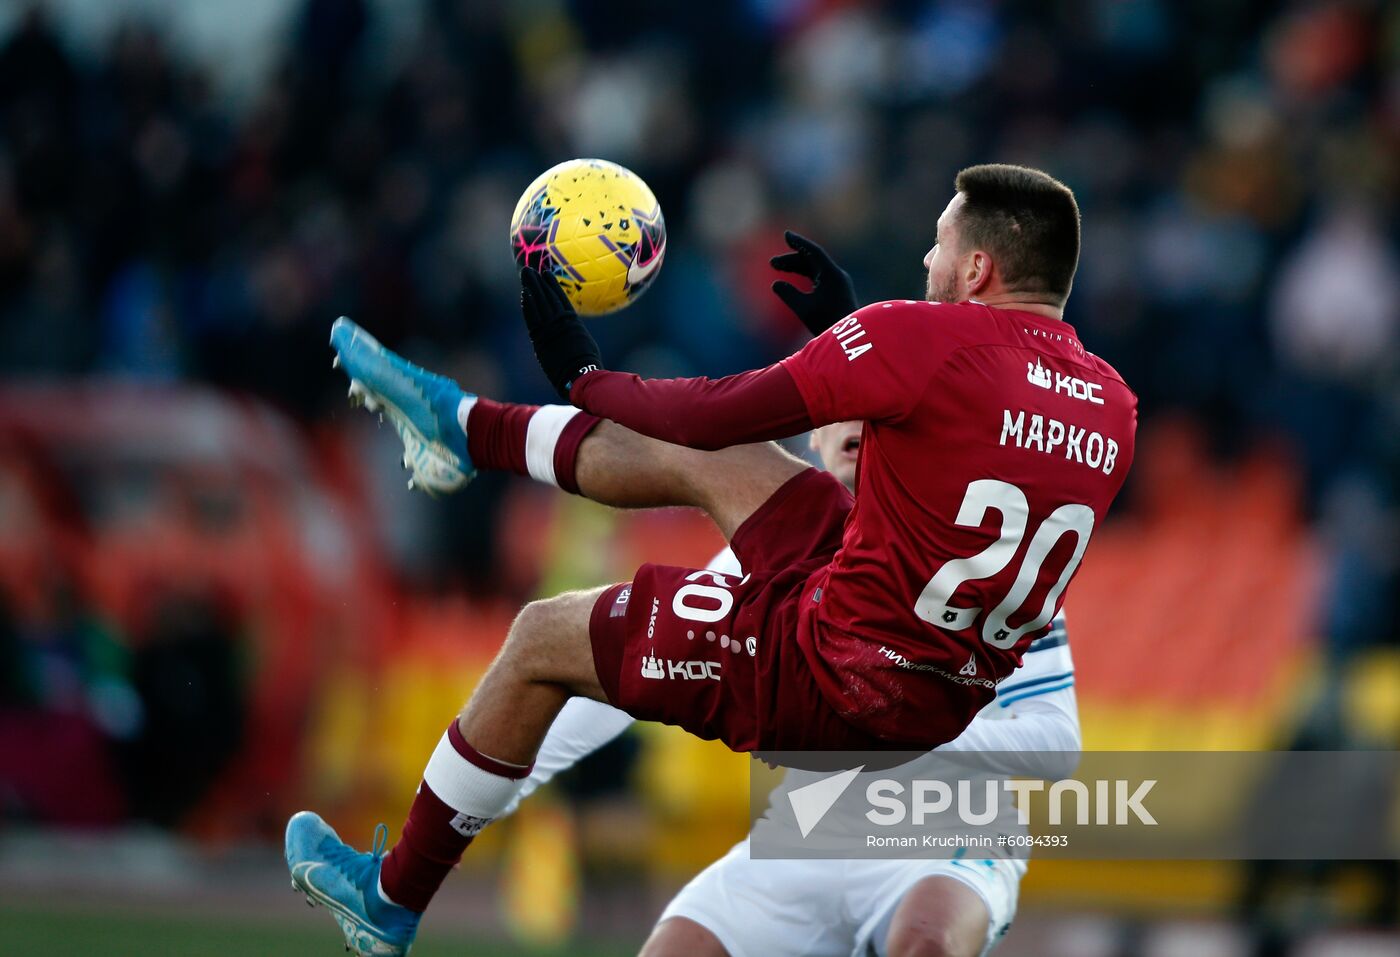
[970, 668]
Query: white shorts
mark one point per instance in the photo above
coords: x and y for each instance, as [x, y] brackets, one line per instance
[827, 908]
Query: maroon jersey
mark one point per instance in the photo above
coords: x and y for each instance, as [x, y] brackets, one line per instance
[992, 448]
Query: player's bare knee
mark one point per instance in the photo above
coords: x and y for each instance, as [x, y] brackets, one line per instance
[929, 940]
[548, 642]
[531, 636]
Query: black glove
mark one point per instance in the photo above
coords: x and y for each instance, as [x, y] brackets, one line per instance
[564, 347]
[833, 295]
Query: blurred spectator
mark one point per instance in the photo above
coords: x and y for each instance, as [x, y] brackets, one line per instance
[1337, 303]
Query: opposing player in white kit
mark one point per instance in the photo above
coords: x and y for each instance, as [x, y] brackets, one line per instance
[739, 906]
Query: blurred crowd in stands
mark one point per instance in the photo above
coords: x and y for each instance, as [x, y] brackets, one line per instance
[1237, 163]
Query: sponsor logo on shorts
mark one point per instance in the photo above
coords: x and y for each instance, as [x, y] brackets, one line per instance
[693, 670]
[963, 677]
[651, 666]
[619, 608]
[664, 668]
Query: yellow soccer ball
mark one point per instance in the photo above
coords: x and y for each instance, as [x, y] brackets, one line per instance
[596, 227]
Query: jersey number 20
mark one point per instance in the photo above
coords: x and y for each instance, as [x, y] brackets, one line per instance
[933, 604]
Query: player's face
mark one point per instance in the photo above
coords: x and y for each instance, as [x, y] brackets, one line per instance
[943, 261]
[838, 444]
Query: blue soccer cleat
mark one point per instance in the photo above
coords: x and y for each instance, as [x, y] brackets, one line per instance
[330, 872]
[422, 406]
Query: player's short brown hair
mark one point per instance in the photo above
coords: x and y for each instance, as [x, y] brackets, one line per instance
[1027, 220]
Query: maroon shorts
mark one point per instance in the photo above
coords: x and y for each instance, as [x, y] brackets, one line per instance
[718, 654]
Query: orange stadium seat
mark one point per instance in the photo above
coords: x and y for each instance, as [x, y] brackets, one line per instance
[1200, 601]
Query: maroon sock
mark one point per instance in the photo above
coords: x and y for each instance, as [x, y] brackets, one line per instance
[436, 834]
[500, 435]
[426, 853]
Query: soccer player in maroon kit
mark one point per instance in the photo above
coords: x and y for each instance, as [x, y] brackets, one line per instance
[993, 445]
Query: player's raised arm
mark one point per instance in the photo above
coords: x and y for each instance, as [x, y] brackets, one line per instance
[699, 413]
[821, 384]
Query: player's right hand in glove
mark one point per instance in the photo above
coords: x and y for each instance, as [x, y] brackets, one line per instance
[833, 295]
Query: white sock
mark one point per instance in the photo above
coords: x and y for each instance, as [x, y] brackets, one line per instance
[546, 425]
[476, 794]
[464, 411]
[379, 885]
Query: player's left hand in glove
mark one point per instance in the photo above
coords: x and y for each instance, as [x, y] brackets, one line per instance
[564, 347]
[833, 295]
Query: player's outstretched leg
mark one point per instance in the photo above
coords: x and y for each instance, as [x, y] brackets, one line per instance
[449, 433]
[547, 658]
[481, 761]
